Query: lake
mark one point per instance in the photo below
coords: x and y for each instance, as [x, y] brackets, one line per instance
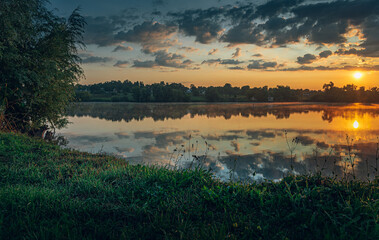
[240, 141]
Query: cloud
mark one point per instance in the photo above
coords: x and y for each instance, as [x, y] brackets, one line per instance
[122, 135]
[122, 48]
[328, 68]
[144, 64]
[277, 23]
[213, 51]
[236, 68]
[121, 64]
[217, 137]
[89, 140]
[164, 59]
[204, 25]
[189, 49]
[257, 55]
[237, 53]
[95, 59]
[243, 33]
[305, 140]
[325, 54]
[259, 64]
[144, 134]
[153, 36]
[222, 61]
[235, 145]
[307, 59]
[159, 2]
[100, 31]
[259, 134]
[124, 149]
[163, 140]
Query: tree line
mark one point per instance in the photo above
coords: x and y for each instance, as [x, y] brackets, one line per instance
[127, 91]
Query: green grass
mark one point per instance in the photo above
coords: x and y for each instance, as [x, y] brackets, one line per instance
[50, 193]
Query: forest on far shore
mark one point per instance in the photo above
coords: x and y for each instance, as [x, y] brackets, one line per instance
[127, 91]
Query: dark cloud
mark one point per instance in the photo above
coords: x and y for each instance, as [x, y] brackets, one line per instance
[144, 134]
[222, 137]
[189, 49]
[325, 54]
[322, 145]
[259, 135]
[307, 59]
[328, 68]
[124, 149]
[122, 48]
[280, 22]
[204, 25]
[244, 33]
[96, 59]
[122, 135]
[163, 140]
[88, 139]
[237, 53]
[121, 64]
[100, 31]
[213, 51]
[144, 64]
[305, 140]
[371, 33]
[164, 59]
[276, 7]
[153, 36]
[236, 68]
[235, 145]
[257, 55]
[259, 64]
[370, 47]
[222, 61]
[159, 2]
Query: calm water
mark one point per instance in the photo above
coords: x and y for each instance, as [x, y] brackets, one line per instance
[242, 141]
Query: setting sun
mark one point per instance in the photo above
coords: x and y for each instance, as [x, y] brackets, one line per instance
[356, 124]
[358, 75]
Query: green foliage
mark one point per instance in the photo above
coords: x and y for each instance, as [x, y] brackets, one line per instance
[38, 63]
[50, 193]
[117, 91]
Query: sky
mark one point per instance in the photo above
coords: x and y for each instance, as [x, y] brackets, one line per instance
[299, 43]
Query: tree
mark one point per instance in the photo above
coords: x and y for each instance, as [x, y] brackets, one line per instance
[39, 65]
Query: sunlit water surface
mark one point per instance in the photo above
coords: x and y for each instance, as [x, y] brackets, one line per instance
[238, 141]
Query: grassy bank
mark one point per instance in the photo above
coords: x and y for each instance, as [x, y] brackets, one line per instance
[50, 193]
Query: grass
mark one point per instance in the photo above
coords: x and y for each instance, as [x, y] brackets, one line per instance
[52, 193]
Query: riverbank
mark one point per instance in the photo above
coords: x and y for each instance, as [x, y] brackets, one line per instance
[51, 193]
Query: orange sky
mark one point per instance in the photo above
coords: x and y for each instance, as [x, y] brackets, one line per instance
[298, 79]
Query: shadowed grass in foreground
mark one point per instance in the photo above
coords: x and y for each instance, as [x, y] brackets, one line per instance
[50, 193]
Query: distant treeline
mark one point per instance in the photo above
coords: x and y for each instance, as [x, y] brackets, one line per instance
[127, 91]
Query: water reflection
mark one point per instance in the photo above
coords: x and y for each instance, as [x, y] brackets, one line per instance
[244, 141]
[164, 111]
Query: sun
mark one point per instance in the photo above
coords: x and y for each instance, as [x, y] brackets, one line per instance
[358, 75]
[356, 124]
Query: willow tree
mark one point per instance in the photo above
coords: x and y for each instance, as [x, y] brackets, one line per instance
[39, 64]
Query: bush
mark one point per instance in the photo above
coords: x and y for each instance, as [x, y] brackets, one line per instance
[39, 65]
